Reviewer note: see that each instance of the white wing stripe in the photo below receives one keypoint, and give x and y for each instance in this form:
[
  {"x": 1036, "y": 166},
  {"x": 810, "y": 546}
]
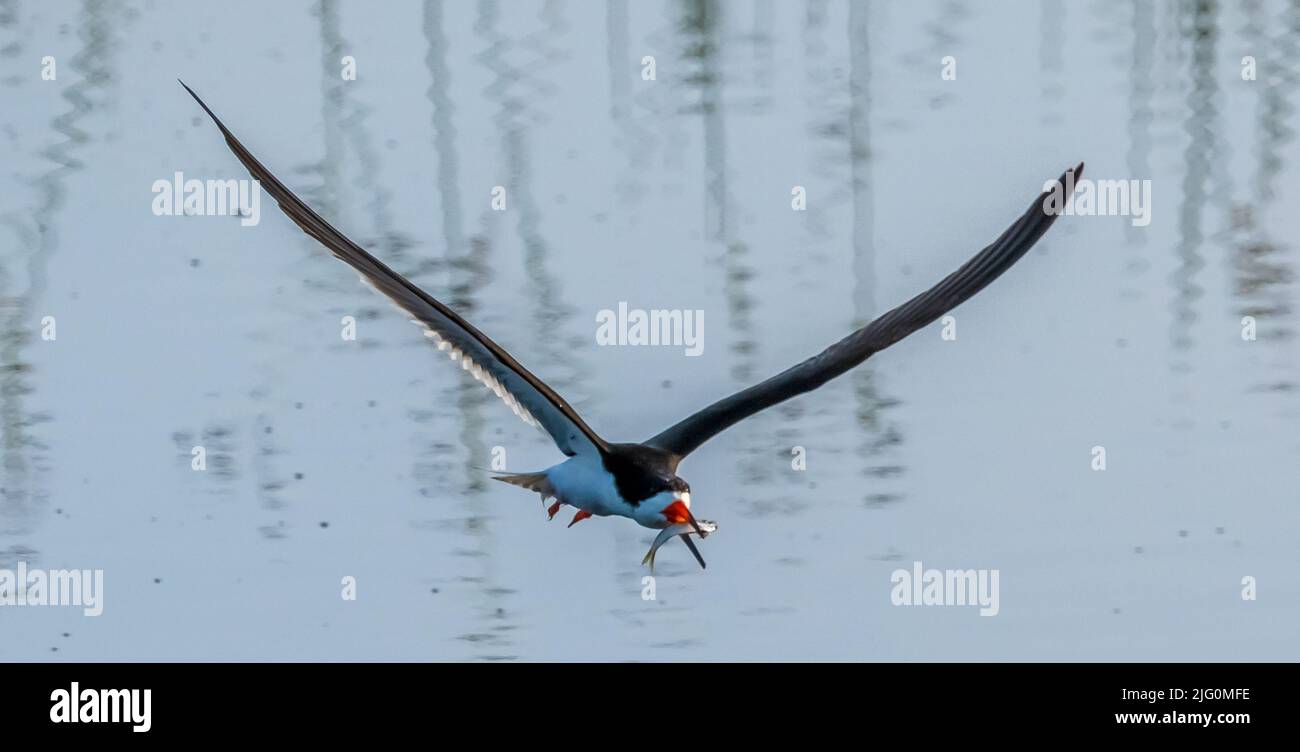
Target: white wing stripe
[
  {"x": 484, "y": 359},
  {"x": 480, "y": 374}
]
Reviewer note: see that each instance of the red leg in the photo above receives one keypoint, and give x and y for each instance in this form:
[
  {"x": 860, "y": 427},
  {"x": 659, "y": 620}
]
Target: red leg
[{"x": 579, "y": 517}]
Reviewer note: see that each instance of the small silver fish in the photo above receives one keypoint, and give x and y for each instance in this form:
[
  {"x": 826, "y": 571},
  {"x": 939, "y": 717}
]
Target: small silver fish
[{"x": 684, "y": 529}]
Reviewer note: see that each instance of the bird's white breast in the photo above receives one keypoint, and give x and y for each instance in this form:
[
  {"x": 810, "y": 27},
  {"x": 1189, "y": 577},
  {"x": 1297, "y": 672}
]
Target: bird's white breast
[{"x": 583, "y": 482}]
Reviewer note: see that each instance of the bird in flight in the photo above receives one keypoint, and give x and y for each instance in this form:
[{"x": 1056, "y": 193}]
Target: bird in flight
[{"x": 639, "y": 480}]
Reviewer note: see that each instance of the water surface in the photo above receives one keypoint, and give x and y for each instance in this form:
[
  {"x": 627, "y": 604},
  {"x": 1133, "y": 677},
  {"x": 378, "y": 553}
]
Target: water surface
[{"x": 369, "y": 459}]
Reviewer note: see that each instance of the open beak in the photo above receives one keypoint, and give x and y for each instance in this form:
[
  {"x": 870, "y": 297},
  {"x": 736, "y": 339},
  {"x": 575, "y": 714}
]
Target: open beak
[
  {"x": 691, "y": 518},
  {"x": 679, "y": 512},
  {"x": 691, "y": 545},
  {"x": 685, "y": 530}
]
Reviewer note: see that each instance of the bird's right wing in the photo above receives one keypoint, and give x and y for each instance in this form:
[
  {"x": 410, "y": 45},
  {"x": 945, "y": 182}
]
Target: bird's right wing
[
  {"x": 684, "y": 437},
  {"x": 530, "y": 398}
]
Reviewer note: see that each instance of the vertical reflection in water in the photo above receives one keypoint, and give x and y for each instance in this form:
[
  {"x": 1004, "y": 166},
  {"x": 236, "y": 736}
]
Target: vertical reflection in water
[
  {"x": 1138, "y": 156},
  {"x": 878, "y": 433},
  {"x": 388, "y": 243},
  {"x": 343, "y": 117},
  {"x": 520, "y": 91},
  {"x": 218, "y": 439},
  {"x": 1279, "y": 83},
  {"x": 466, "y": 263},
  {"x": 325, "y": 194},
  {"x": 1051, "y": 39},
  {"x": 269, "y": 477},
  {"x": 635, "y": 142},
  {"x": 11, "y": 40},
  {"x": 23, "y": 276},
  {"x": 764, "y": 66},
  {"x": 21, "y": 281},
  {"x": 437, "y": 469},
  {"x": 864, "y": 255},
  {"x": 616, "y": 58},
  {"x": 467, "y": 273},
  {"x": 661, "y": 103},
  {"x": 1265, "y": 278},
  {"x": 1199, "y": 26},
  {"x": 700, "y": 25},
  {"x": 828, "y": 103},
  {"x": 818, "y": 79},
  {"x": 444, "y": 129},
  {"x": 944, "y": 40}
]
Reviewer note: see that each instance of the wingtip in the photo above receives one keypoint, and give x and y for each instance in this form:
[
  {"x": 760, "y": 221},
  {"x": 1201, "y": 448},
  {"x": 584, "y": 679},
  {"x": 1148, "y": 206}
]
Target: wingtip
[
  {"x": 1078, "y": 170},
  {"x": 203, "y": 104}
]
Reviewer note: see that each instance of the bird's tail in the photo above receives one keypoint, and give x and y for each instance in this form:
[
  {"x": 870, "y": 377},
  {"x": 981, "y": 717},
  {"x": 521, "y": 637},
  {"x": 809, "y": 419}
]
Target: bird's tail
[{"x": 532, "y": 481}]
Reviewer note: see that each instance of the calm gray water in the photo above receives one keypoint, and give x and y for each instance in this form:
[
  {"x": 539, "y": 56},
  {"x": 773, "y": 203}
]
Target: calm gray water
[{"x": 369, "y": 459}]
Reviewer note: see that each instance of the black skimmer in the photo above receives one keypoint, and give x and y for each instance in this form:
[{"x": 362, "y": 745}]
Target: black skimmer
[{"x": 640, "y": 481}]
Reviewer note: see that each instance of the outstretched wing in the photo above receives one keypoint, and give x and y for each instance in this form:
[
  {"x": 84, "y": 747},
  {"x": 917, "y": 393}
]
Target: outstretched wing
[
  {"x": 527, "y": 395},
  {"x": 684, "y": 437}
]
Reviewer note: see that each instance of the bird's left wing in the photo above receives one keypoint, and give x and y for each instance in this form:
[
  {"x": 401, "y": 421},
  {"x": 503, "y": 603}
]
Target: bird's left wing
[
  {"x": 986, "y": 266},
  {"x": 532, "y": 400}
]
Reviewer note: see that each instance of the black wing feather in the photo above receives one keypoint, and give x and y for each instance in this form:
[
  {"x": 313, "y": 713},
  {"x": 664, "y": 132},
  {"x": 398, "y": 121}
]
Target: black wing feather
[
  {"x": 687, "y": 435},
  {"x": 530, "y": 397}
]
